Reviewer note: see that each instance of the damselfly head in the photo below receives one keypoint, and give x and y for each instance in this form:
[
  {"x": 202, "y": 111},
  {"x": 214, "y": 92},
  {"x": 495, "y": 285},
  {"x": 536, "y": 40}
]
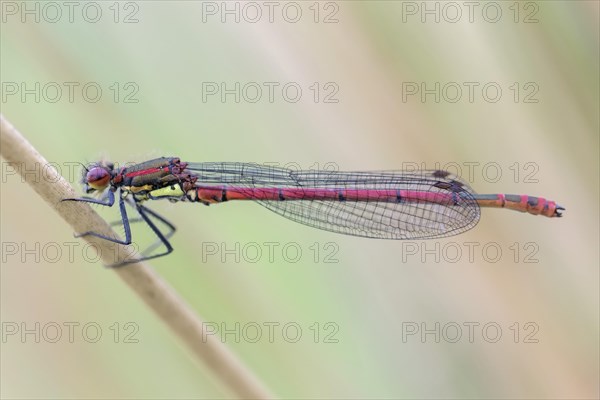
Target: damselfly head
[{"x": 97, "y": 177}]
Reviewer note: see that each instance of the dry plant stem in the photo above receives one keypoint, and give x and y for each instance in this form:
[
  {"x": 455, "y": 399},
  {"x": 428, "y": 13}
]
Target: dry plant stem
[{"x": 144, "y": 281}]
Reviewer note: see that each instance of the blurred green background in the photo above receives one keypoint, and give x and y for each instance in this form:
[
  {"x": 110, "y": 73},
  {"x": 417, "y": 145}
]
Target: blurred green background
[{"x": 354, "y": 62}]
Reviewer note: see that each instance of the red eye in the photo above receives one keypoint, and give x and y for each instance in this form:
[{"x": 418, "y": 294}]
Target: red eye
[{"x": 97, "y": 178}]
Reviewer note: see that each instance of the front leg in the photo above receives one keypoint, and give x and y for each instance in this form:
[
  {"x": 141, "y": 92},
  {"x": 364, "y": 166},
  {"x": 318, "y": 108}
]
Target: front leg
[
  {"x": 124, "y": 219},
  {"x": 108, "y": 201}
]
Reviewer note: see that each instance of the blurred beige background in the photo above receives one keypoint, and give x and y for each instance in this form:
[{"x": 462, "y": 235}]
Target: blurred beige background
[{"x": 383, "y": 85}]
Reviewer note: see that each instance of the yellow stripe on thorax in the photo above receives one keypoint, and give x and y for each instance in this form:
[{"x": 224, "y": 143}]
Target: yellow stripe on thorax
[{"x": 168, "y": 191}]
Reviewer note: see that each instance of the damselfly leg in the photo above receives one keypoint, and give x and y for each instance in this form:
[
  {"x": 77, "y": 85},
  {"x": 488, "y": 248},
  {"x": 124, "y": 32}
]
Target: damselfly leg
[
  {"x": 145, "y": 214},
  {"x": 110, "y": 203},
  {"x": 163, "y": 239},
  {"x": 159, "y": 217}
]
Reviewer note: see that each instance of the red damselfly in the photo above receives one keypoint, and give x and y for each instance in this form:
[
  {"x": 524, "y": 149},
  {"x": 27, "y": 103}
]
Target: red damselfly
[{"x": 384, "y": 204}]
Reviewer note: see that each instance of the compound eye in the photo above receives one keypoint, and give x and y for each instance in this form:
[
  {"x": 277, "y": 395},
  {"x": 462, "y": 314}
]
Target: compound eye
[{"x": 97, "y": 178}]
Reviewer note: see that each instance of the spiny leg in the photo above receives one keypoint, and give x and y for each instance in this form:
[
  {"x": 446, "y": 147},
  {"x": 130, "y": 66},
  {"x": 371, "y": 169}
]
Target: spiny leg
[
  {"x": 154, "y": 214},
  {"x": 110, "y": 197},
  {"x": 163, "y": 239},
  {"x": 166, "y": 236},
  {"x": 125, "y": 222},
  {"x": 124, "y": 219},
  {"x": 162, "y": 219},
  {"x": 131, "y": 221}
]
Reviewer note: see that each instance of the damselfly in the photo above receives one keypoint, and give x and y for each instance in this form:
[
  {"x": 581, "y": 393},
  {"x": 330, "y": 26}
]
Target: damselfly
[{"x": 385, "y": 204}]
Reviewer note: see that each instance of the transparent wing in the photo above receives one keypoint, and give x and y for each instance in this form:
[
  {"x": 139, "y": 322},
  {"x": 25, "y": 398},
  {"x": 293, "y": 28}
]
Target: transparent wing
[{"x": 454, "y": 211}]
